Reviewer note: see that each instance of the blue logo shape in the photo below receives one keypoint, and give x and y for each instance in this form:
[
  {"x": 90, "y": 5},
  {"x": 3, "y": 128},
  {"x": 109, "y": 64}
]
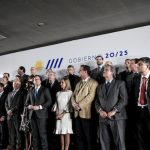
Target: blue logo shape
[{"x": 54, "y": 63}]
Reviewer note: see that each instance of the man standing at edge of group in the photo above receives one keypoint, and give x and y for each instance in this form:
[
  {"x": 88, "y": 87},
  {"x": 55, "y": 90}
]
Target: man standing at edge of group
[{"x": 141, "y": 92}]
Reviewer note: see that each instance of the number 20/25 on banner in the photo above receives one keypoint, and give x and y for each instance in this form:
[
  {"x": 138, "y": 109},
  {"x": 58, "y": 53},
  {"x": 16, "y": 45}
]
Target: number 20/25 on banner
[{"x": 116, "y": 54}]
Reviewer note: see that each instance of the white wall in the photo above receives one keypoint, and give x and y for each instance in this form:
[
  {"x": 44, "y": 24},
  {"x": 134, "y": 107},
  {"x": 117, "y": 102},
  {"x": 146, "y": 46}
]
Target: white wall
[{"x": 114, "y": 46}]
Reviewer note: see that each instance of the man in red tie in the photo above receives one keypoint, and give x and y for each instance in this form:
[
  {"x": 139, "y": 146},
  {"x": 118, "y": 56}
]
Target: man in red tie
[{"x": 141, "y": 88}]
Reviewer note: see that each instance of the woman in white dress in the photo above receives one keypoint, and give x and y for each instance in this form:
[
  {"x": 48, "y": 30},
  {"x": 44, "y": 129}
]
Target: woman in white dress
[{"x": 63, "y": 117}]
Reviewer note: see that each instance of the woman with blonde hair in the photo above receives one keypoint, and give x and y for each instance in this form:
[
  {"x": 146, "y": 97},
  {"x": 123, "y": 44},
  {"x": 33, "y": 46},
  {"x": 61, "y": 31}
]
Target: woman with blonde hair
[{"x": 63, "y": 117}]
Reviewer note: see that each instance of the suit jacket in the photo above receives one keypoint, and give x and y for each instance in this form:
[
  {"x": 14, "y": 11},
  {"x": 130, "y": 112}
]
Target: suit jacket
[
  {"x": 8, "y": 88},
  {"x": 98, "y": 75},
  {"x": 24, "y": 80},
  {"x": 124, "y": 74},
  {"x": 74, "y": 79},
  {"x": 44, "y": 99},
  {"x": 2, "y": 104},
  {"x": 84, "y": 96},
  {"x": 15, "y": 104},
  {"x": 116, "y": 97},
  {"x": 53, "y": 89},
  {"x": 136, "y": 90}
]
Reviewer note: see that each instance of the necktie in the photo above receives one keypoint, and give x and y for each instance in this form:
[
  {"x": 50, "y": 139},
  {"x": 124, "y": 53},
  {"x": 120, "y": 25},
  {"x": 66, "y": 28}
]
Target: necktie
[
  {"x": 99, "y": 69},
  {"x": 36, "y": 93},
  {"x": 13, "y": 93},
  {"x": 1, "y": 95},
  {"x": 50, "y": 82},
  {"x": 107, "y": 87},
  {"x": 143, "y": 89}
]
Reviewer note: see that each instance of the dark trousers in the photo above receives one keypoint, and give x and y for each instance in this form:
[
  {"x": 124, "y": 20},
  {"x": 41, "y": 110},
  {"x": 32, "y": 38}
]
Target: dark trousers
[
  {"x": 83, "y": 133},
  {"x": 112, "y": 135},
  {"x": 39, "y": 133},
  {"x": 3, "y": 134},
  {"x": 131, "y": 142},
  {"x": 143, "y": 128},
  {"x": 14, "y": 133}
]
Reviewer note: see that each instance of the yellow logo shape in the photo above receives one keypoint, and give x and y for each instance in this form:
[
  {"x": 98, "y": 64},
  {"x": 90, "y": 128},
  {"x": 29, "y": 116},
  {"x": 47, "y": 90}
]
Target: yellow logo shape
[{"x": 39, "y": 64}]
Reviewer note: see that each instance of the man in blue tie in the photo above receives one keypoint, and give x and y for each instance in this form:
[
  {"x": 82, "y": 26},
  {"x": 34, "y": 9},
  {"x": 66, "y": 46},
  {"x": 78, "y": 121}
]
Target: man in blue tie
[{"x": 38, "y": 101}]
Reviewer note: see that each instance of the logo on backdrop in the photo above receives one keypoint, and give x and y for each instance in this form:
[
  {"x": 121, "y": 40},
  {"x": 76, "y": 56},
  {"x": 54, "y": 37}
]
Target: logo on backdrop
[
  {"x": 54, "y": 63},
  {"x": 39, "y": 65}
]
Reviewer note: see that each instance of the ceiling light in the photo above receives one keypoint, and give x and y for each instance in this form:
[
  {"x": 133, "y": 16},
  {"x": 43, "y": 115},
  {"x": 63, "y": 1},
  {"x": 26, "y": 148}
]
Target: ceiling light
[
  {"x": 41, "y": 24},
  {"x": 2, "y": 37}
]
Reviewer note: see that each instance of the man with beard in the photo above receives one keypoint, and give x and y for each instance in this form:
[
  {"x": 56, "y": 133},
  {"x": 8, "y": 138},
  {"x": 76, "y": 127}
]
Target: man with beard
[{"x": 97, "y": 73}]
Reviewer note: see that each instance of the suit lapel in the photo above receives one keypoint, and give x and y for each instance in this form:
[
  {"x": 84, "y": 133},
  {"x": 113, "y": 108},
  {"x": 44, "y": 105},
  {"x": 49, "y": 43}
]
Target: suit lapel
[
  {"x": 138, "y": 84},
  {"x": 32, "y": 96},
  {"x": 13, "y": 97},
  {"x": 103, "y": 89},
  {"x": 148, "y": 84},
  {"x": 40, "y": 91},
  {"x": 81, "y": 87}
]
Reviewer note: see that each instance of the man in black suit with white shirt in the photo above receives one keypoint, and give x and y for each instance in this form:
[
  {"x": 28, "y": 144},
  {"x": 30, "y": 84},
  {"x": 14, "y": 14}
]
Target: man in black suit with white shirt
[
  {"x": 39, "y": 101},
  {"x": 97, "y": 73}
]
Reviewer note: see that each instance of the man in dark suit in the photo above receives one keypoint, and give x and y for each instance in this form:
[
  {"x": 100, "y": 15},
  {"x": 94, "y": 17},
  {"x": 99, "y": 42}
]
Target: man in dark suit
[
  {"x": 111, "y": 99},
  {"x": 6, "y": 74},
  {"x": 8, "y": 87},
  {"x": 54, "y": 86},
  {"x": 14, "y": 107},
  {"x": 74, "y": 79},
  {"x": 3, "y": 125},
  {"x": 97, "y": 73},
  {"x": 130, "y": 127},
  {"x": 124, "y": 74},
  {"x": 24, "y": 77},
  {"x": 33, "y": 72},
  {"x": 142, "y": 103},
  {"x": 38, "y": 101}
]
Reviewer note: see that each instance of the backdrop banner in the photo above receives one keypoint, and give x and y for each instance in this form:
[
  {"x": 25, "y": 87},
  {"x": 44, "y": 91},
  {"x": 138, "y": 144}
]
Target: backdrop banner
[{"x": 116, "y": 47}]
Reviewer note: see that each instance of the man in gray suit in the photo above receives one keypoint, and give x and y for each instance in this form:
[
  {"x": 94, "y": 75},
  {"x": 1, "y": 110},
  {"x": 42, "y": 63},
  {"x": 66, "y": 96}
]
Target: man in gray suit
[
  {"x": 14, "y": 106},
  {"x": 111, "y": 99}
]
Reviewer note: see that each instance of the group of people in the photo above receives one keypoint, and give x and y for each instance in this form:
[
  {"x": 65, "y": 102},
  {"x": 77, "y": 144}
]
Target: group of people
[{"x": 99, "y": 109}]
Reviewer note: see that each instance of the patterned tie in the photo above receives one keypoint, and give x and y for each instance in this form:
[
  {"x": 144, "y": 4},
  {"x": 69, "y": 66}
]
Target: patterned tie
[
  {"x": 143, "y": 89},
  {"x": 107, "y": 87},
  {"x": 99, "y": 69},
  {"x": 13, "y": 93}
]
